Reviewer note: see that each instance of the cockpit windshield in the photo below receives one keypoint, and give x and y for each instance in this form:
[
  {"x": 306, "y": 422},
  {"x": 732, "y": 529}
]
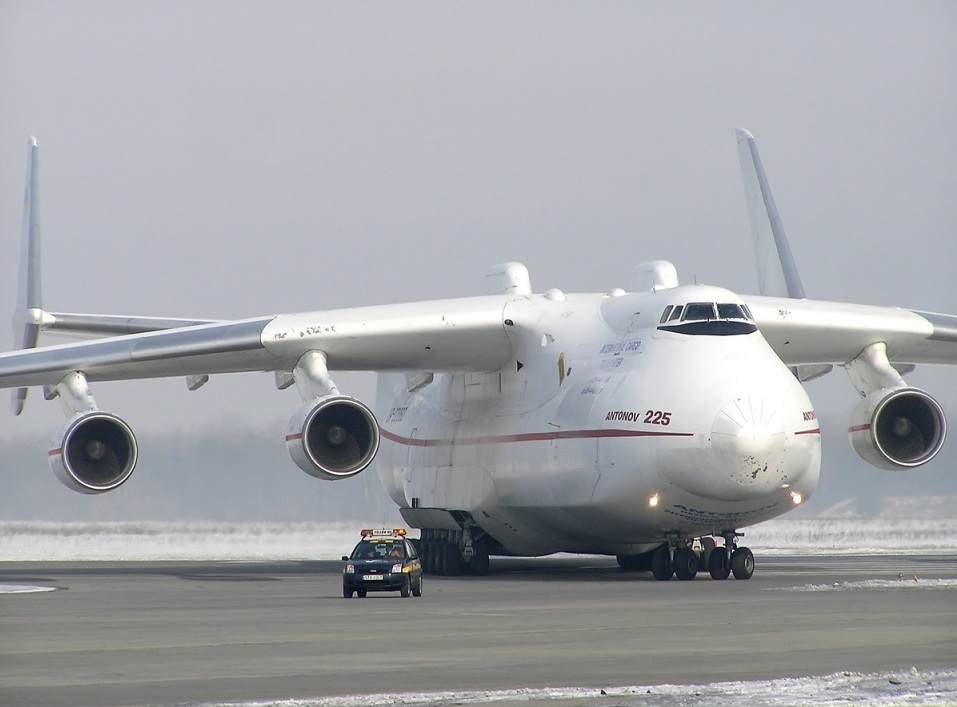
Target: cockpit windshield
[{"x": 708, "y": 318}]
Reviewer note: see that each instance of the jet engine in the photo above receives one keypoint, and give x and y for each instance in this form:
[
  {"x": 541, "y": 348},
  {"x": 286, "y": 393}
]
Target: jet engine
[
  {"x": 897, "y": 428},
  {"x": 94, "y": 452},
  {"x": 333, "y": 437}
]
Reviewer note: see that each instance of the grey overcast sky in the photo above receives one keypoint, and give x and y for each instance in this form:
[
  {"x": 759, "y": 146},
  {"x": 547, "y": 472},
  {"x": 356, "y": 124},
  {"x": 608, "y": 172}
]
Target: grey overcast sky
[{"x": 232, "y": 159}]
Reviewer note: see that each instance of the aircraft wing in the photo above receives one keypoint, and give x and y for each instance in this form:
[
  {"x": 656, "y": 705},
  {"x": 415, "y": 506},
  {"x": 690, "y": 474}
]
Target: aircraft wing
[
  {"x": 465, "y": 334},
  {"x": 812, "y": 335},
  {"x": 97, "y": 325},
  {"x": 808, "y": 332}
]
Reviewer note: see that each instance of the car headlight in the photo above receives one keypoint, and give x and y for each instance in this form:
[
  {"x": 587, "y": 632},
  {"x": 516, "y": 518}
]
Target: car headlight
[
  {"x": 350, "y": 569},
  {"x": 397, "y": 568}
]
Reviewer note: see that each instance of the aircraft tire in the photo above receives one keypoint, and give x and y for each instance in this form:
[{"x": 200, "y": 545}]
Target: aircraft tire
[
  {"x": 454, "y": 562},
  {"x": 425, "y": 556},
  {"x": 719, "y": 564},
  {"x": 480, "y": 563},
  {"x": 685, "y": 563},
  {"x": 438, "y": 557},
  {"x": 742, "y": 563},
  {"x": 635, "y": 563},
  {"x": 661, "y": 565}
]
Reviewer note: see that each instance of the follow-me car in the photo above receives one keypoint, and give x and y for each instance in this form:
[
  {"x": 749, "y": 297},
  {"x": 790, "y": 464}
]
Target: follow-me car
[
  {"x": 383, "y": 561},
  {"x": 652, "y": 423}
]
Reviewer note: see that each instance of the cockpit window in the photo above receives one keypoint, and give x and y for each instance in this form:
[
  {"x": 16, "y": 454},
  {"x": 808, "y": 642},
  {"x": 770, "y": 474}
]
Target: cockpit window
[
  {"x": 664, "y": 315},
  {"x": 698, "y": 311},
  {"x": 732, "y": 311},
  {"x": 676, "y": 313}
]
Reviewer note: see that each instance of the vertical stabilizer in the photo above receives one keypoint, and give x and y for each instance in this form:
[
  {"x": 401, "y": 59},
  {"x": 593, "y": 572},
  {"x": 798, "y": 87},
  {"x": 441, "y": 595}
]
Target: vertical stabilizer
[
  {"x": 777, "y": 273},
  {"x": 29, "y": 313}
]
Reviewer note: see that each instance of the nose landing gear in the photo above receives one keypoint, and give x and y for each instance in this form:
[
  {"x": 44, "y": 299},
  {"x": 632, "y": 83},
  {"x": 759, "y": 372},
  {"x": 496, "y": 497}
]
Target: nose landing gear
[{"x": 682, "y": 560}]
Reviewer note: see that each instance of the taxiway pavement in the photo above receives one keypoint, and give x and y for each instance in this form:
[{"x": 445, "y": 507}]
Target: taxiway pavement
[{"x": 125, "y": 633}]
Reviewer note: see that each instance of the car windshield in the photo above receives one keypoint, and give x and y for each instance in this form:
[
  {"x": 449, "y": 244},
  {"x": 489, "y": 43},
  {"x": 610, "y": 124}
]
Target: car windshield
[{"x": 378, "y": 551}]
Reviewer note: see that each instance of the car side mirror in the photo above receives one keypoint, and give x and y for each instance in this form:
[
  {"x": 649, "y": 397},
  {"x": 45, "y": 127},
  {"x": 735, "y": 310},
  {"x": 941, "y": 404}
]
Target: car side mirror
[{"x": 344, "y": 558}]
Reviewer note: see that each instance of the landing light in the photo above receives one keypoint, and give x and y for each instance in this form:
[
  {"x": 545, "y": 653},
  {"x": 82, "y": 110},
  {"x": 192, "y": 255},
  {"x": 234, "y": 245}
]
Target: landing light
[
  {"x": 796, "y": 498},
  {"x": 653, "y": 501}
]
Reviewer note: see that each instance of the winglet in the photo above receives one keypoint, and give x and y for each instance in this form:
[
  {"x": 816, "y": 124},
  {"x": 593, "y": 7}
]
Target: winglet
[
  {"x": 28, "y": 317},
  {"x": 777, "y": 272}
]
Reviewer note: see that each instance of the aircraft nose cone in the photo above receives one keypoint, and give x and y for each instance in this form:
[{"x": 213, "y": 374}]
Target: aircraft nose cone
[
  {"x": 748, "y": 438},
  {"x": 747, "y": 452}
]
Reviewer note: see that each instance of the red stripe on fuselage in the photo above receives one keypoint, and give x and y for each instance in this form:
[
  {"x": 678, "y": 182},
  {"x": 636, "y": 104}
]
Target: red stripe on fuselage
[{"x": 527, "y": 437}]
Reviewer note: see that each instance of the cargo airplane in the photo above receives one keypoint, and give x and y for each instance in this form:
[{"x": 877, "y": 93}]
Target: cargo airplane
[{"x": 652, "y": 423}]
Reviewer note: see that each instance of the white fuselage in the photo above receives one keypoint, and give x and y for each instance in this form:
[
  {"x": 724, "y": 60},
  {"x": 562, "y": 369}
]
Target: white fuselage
[{"x": 605, "y": 433}]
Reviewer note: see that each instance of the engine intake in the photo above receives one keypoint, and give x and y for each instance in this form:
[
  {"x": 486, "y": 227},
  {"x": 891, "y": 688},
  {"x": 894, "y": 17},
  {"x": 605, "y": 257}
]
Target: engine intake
[
  {"x": 897, "y": 428},
  {"x": 333, "y": 438},
  {"x": 95, "y": 452}
]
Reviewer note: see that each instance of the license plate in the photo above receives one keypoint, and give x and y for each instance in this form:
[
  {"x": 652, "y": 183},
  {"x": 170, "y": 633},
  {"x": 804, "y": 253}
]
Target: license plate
[{"x": 372, "y": 577}]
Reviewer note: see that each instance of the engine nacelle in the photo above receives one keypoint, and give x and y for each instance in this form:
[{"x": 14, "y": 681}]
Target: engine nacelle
[
  {"x": 333, "y": 438},
  {"x": 897, "y": 428},
  {"x": 94, "y": 452}
]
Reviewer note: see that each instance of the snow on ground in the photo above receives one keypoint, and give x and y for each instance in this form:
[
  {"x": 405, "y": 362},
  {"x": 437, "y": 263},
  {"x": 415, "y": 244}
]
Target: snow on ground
[
  {"x": 46, "y": 541},
  {"x": 913, "y": 687}
]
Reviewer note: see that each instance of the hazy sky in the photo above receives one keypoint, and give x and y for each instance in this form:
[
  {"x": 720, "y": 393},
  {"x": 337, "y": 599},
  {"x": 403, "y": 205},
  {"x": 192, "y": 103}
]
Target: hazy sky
[{"x": 232, "y": 159}]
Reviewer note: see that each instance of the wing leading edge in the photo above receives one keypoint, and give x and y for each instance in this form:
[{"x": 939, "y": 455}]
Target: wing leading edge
[
  {"x": 808, "y": 332},
  {"x": 445, "y": 335}
]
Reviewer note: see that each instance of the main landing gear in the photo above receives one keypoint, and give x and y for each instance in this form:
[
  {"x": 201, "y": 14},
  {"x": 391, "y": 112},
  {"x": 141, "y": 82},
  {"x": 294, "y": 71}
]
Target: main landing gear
[
  {"x": 682, "y": 559},
  {"x": 452, "y": 553}
]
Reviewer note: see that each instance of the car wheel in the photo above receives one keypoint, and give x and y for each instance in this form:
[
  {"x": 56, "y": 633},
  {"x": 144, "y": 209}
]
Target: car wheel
[
  {"x": 417, "y": 589},
  {"x": 347, "y": 593},
  {"x": 361, "y": 593},
  {"x": 404, "y": 589}
]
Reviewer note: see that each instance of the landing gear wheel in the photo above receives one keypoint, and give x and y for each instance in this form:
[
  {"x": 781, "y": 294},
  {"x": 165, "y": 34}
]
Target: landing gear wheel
[
  {"x": 685, "y": 563},
  {"x": 480, "y": 563},
  {"x": 404, "y": 589},
  {"x": 635, "y": 563},
  {"x": 425, "y": 555},
  {"x": 661, "y": 566},
  {"x": 417, "y": 588},
  {"x": 438, "y": 557},
  {"x": 453, "y": 560},
  {"x": 742, "y": 563},
  {"x": 719, "y": 564}
]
